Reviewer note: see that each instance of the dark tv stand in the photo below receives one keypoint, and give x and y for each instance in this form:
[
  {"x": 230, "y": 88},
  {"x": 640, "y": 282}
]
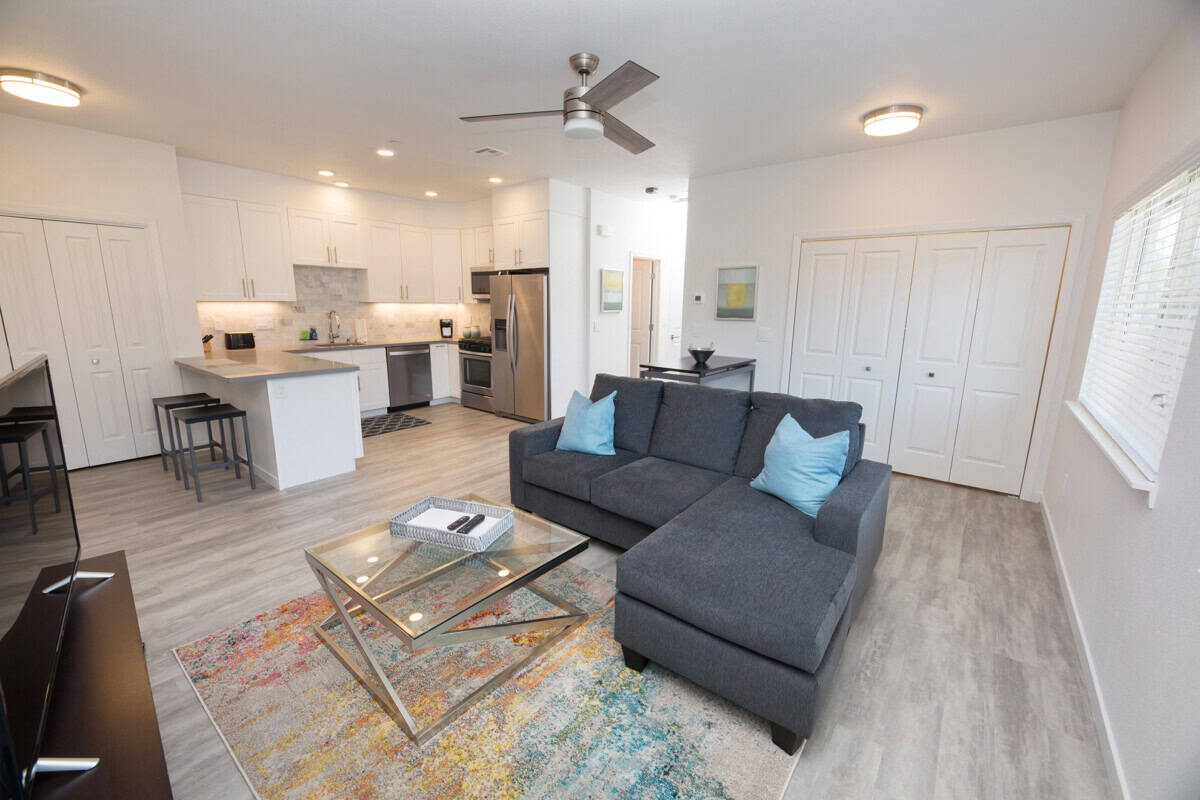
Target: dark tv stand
[{"x": 101, "y": 706}]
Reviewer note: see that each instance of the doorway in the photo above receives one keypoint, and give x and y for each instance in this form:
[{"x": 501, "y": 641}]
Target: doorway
[{"x": 643, "y": 312}]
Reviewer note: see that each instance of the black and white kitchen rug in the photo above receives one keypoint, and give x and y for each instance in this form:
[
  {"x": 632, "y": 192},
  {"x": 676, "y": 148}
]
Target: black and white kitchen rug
[{"x": 387, "y": 423}]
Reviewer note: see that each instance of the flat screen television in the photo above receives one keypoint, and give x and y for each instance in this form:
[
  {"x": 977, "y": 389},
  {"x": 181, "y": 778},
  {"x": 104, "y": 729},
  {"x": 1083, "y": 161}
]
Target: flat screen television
[{"x": 32, "y": 620}]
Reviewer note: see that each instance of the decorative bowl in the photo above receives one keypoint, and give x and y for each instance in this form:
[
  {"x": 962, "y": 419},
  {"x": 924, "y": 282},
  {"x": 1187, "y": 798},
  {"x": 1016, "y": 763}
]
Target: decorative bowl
[{"x": 701, "y": 354}]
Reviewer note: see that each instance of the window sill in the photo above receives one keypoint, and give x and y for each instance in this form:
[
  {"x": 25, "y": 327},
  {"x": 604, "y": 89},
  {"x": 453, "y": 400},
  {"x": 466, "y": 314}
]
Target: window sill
[{"x": 1129, "y": 471}]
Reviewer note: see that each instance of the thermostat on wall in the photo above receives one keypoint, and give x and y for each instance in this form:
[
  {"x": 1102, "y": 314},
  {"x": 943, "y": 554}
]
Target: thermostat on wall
[{"x": 698, "y": 298}]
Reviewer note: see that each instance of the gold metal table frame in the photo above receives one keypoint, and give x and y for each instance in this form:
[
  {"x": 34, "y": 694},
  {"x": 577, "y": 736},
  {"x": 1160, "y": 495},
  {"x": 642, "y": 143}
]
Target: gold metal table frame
[{"x": 363, "y": 601}]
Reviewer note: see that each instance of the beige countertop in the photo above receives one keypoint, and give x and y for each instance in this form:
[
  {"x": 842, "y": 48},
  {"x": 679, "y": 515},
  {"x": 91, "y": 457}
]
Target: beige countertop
[
  {"x": 260, "y": 364},
  {"x": 306, "y": 347}
]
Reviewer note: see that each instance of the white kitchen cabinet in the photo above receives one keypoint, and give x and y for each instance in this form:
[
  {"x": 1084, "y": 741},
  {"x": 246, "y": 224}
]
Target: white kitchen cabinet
[
  {"x": 439, "y": 365},
  {"x": 326, "y": 240},
  {"x": 373, "y": 379},
  {"x": 346, "y": 239},
  {"x": 266, "y": 252},
  {"x": 533, "y": 241},
  {"x": 216, "y": 239},
  {"x": 485, "y": 256},
  {"x": 384, "y": 262},
  {"x": 455, "y": 371},
  {"x": 6, "y": 365},
  {"x": 417, "y": 257},
  {"x": 505, "y": 242},
  {"x": 446, "y": 250}
]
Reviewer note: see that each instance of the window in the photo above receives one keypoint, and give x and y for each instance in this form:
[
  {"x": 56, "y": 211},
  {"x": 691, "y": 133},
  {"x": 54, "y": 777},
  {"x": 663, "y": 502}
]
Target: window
[{"x": 1147, "y": 310}]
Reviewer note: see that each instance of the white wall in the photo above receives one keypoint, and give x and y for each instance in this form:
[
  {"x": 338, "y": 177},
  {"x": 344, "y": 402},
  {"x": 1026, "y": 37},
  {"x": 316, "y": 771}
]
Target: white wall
[
  {"x": 70, "y": 173},
  {"x": 653, "y": 229},
  {"x": 1131, "y": 572},
  {"x": 1051, "y": 172}
]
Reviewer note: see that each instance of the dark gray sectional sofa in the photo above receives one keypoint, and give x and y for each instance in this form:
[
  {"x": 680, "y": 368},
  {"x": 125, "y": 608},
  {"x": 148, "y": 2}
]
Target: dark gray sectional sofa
[{"x": 725, "y": 585}]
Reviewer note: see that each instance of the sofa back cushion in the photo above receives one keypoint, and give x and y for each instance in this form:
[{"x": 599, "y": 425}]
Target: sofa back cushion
[
  {"x": 637, "y": 407},
  {"x": 818, "y": 417},
  {"x": 700, "y": 425}
]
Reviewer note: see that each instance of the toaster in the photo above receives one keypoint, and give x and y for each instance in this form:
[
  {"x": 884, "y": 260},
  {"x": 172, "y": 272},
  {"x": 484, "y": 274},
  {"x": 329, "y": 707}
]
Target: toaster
[{"x": 239, "y": 340}]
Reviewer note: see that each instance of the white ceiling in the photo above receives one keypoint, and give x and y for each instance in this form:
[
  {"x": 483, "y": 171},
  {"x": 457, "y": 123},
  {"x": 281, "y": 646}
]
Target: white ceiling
[{"x": 290, "y": 86}]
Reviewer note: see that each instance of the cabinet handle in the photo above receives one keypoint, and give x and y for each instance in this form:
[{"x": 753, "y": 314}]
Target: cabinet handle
[
  {"x": 931, "y": 375},
  {"x": 244, "y": 288},
  {"x": 253, "y": 291},
  {"x": 95, "y": 362},
  {"x": 335, "y": 255},
  {"x": 520, "y": 254},
  {"x": 515, "y": 259},
  {"x": 491, "y": 256},
  {"x": 328, "y": 254}
]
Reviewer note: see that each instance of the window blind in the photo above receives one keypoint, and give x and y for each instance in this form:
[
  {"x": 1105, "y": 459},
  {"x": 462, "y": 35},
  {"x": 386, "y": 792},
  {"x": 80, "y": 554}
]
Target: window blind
[{"x": 1149, "y": 301}]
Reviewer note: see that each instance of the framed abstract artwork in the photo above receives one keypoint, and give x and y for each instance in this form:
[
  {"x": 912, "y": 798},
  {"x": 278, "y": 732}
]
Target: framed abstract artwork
[
  {"x": 612, "y": 290},
  {"x": 737, "y": 289}
]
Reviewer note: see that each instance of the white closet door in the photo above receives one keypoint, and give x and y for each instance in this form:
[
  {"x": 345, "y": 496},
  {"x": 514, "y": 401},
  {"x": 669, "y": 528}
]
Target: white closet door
[
  {"x": 267, "y": 252},
  {"x": 87, "y": 322},
  {"x": 138, "y": 324},
  {"x": 1017, "y": 297},
  {"x": 941, "y": 314},
  {"x": 875, "y": 316},
  {"x": 817, "y": 334},
  {"x": 31, "y": 319}
]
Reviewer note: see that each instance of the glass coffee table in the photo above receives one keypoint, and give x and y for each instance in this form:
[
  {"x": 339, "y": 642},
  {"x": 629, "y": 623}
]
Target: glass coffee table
[{"x": 421, "y": 593}]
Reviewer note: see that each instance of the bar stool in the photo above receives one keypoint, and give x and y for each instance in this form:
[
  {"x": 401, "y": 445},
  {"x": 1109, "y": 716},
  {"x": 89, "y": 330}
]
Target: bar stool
[
  {"x": 19, "y": 433},
  {"x": 169, "y": 404},
  {"x": 210, "y": 414}
]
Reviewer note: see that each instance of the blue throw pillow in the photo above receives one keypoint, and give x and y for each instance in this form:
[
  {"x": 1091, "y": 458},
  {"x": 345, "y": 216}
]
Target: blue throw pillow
[
  {"x": 800, "y": 470},
  {"x": 588, "y": 427}
]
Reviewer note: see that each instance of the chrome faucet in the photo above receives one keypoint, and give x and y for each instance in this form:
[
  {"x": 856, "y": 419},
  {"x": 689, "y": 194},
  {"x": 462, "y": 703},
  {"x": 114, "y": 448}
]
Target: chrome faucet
[{"x": 335, "y": 326}]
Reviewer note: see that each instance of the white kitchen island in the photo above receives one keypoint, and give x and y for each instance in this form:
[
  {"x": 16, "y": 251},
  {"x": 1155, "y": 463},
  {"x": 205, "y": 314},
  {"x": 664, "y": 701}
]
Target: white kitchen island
[{"x": 303, "y": 412}]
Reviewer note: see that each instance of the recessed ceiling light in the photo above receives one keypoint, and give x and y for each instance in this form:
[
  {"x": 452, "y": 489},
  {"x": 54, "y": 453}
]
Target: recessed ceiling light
[
  {"x": 892, "y": 120},
  {"x": 385, "y": 153},
  {"x": 39, "y": 87},
  {"x": 340, "y": 184},
  {"x": 495, "y": 180},
  {"x": 325, "y": 173},
  {"x": 431, "y": 194}
]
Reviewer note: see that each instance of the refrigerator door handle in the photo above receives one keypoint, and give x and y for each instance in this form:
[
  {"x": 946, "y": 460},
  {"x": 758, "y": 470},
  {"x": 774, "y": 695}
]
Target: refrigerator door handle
[{"x": 515, "y": 337}]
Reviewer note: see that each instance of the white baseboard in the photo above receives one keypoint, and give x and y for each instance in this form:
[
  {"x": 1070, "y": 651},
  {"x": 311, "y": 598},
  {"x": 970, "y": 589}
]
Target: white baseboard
[{"x": 1108, "y": 744}]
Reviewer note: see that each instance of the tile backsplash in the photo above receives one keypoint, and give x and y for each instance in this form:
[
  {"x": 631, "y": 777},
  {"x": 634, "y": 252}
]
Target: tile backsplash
[{"x": 320, "y": 290}]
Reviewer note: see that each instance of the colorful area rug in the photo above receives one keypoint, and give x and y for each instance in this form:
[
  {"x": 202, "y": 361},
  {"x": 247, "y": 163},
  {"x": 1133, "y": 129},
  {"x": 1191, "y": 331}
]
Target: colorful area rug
[
  {"x": 575, "y": 723},
  {"x": 387, "y": 423}
]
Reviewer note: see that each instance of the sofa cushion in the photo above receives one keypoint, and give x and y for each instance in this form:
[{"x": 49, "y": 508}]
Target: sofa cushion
[
  {"x": 701, "y": 426},
  {"x": 637, "y": 408},
  {"x": 743, "y": 565},
  {"x": 652, "y": 490},
  {"x": 571, "y": 473},
  {"x": 818, "y": 417},
  {"x": 588, "y": 426}
]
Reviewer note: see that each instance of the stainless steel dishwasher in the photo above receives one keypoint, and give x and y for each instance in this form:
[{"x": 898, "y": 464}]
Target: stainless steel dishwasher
[{"x": 410, "y": 378}]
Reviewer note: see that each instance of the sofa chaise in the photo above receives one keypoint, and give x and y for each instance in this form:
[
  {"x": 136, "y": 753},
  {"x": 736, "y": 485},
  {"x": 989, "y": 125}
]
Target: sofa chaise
[{"x": 725, "y": 585}]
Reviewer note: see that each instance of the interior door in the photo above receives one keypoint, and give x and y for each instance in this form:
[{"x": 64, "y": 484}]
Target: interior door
[
  {"x": 1017, "y": 298},
  {"x": 527, "y": 345},
  {"x": 533, "y": 241},
  {"x": 216, "y": 239},
  {"x": 383, "y": 262},
  {"x": 417, "y": 252},
  {"x": 32, "y": 321},
  {"x": 87, "y": 320},
  {"x": 941, "y": 315},
  {"x": 309, "y": 235},
  {"x": 504, "y": 248},
  {"x": 817, "y": 334},
  {"x": 346, "y": 237},
  {"x": 266, "y": 252},
  {"x": 641, "y": 315},
  {"x": 140, "y": 336},
  {"x": 880, "y": 275}
]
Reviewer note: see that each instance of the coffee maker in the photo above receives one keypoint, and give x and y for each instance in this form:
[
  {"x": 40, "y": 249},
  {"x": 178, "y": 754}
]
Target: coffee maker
[{"x": 447, "y": 327}]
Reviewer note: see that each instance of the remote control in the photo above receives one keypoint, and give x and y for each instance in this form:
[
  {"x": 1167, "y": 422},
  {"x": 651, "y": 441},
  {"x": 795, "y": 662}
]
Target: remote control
[
  {"x": 475, "y": 520},
  {"x": 458, "y": 522}
]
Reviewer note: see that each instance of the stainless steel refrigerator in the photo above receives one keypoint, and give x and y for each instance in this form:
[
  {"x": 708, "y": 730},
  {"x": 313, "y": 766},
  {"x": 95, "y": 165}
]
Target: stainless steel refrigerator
[{"x": 520, "y": 345}]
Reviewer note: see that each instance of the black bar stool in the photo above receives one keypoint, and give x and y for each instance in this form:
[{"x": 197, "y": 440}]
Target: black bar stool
[
  {"x": 210, "y": 414},
  {"x": 169, "y": 404},
  {"x": 19, "y": 433}
]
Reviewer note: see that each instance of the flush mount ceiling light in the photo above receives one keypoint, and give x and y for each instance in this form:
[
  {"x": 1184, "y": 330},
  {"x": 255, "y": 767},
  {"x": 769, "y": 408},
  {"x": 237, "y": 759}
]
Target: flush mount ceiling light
[
  {"x": 584, "y": 127},
  {"x": 892, "y": 120},
  {"x": 325, "y": 173},
  {"x": 431, "y": 194},
  {"x": 383, "y": 152},
  {"x": 40, "y": 87},
  {"x": 495, "y": 180},
  {"x": 341, "y": 184}
]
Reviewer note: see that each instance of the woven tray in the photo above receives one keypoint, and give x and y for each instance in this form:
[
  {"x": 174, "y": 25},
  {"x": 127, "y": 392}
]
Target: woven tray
[{"x": 500, "y": 519}]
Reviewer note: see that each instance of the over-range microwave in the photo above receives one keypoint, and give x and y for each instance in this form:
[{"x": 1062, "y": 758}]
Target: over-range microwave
[{"x": 481, "y": 283}]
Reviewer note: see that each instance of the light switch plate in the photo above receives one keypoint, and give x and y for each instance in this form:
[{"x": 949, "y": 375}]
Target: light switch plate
[{"x": 698, "y": 298}]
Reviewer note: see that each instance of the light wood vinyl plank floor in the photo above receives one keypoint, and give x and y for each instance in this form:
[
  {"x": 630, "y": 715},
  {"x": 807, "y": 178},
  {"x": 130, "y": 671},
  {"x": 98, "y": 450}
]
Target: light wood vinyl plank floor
[{"x": 959, "y": 679}]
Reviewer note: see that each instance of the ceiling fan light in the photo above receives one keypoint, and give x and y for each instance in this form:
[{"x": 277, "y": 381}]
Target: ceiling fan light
[
  {"x": 583, "y": 128},
  {"x": 39, "y": 87},
  {"x": 892, "y": 120}
]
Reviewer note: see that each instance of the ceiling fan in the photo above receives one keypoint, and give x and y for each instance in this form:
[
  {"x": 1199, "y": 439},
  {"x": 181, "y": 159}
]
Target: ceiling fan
[{"x": 585, "y": 108}]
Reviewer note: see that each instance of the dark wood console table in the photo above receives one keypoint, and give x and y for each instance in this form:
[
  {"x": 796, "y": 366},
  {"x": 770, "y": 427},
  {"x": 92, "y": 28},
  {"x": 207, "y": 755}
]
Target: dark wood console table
[
  {"x": 101, "y": 705},
  {"x": 686, "y": 369}
]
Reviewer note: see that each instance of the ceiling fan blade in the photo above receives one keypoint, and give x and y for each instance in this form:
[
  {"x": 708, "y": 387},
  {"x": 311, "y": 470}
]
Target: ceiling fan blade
[
  {"x": 519, "y": 115},
  {"x": 624, "y": 81},
  {"x": 627, "y": 137}
]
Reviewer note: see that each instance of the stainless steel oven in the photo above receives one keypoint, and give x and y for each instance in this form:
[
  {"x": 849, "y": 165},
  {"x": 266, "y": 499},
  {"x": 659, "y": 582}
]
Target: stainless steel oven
[{"x": 476, "y": 379}]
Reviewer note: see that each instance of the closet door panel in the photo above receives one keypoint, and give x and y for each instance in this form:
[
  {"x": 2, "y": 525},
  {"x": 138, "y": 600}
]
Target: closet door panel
[
  {"x": 139, "y": 328},
  {"x": 941, "y": 316},
  {"x": 817, "y": 333},
  {"x": 31, "y": 320},
  {"x": 87, "y": 320},
  {"x": 1017, "y": 297},
  {"x": 875, "y": 317}
]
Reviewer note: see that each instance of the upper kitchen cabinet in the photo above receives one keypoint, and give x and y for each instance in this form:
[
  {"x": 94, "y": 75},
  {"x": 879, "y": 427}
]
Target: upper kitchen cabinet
[
  {"x": 504, "y": 232},
  {"x": 326, "y": 240},
  {"x": 533, "y": 241},
  {"x": 485, "y": 255},
  {"x": 416, "y": 249},
  {"x": 446, "y": 248},
  {"x": 384, "y": 262},
  {"x": 240, "y": 250}
]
